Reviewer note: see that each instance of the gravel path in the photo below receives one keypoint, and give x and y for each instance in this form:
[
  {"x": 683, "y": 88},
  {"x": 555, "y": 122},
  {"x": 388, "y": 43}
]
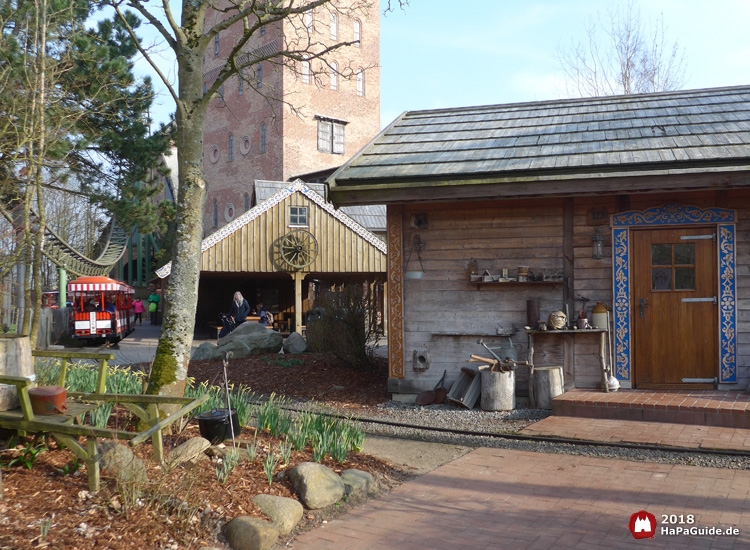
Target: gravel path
[{"x": 451, "y": 417}]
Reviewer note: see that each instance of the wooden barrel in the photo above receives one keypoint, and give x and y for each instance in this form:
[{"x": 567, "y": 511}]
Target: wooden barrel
[
  {"x": 15, "y": 360},
  {"x": 548, "y": 383},
  {"x": 498, "y": 391}
]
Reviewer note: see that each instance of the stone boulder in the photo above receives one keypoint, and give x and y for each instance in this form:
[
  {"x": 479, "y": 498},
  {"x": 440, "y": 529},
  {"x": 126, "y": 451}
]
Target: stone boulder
[
  {"x": 285, "y": 513},
  {"x": 294, "y": 343},
  {"x": 255, "y": 336},
  {"x": 128, "y": 469},
  {"x": 246, "y": 533},
  {"x": 358, "y": 484},
  {"x": 316, "y": 485},
  {"x": 206, "y": 351},
  {"x": 191, "y": 451}
]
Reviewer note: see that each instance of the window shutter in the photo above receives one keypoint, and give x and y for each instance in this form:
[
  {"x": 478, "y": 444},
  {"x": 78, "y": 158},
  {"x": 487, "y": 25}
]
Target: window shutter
[
  {"x": 324, "y": 136},
  {"x": 338, "y": 139}
]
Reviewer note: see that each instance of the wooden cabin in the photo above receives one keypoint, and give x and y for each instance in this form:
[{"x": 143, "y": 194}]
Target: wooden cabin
[
  {"x": 639, "y": 202},
  {"x": 283, "y": 252}
]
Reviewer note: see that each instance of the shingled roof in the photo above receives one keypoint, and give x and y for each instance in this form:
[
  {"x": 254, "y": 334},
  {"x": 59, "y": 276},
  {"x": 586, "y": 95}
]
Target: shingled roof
[{"x": 617, "y": 136}]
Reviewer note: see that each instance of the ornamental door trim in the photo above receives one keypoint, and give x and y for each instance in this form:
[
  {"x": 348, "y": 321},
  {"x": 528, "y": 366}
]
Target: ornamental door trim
[{"x": 675, "y": 214}]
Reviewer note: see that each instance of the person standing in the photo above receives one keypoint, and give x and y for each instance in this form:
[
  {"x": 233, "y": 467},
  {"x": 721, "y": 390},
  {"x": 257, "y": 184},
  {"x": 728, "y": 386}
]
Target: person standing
[
  {"x": 153, "y": 305},
  {"x": 240, "y": 309},
  {"x": 263, "y": 314},
  {"x": 139, "y": 308}
]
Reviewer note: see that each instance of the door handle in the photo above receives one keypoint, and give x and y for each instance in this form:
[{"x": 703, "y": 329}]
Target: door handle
[{"x": 641, "y": 306}]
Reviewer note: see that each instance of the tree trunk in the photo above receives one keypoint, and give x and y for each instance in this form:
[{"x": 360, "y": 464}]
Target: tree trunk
[{"x": 169, "y": 370}]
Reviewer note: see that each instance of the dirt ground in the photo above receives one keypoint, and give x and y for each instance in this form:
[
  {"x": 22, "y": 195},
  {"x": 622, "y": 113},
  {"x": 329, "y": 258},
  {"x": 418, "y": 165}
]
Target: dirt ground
[{"x": 49, "y": 504}]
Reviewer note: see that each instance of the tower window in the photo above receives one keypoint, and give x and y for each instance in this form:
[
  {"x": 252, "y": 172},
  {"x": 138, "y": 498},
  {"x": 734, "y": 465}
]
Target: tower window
[
  {"x": 309, "y": 21},
  {"x": 305, "y": 71},
  {"x": 247, "y": 202},
  {"x": 216, "y": 213},
  {"x": 334, "y": 26},
  {"x": 216, "y": 45},
  {"x": 230, "y": 148},
  {"x": 263, "y": 138},
  {"x": 240, "y": 85},
  {"x": 334, "y": 76},
  {"x": 357, "y": 33},
  {"x": 259, "y": 74},
  {"x": 361, "y": 82},
  {"x": 330, "y": 136}
]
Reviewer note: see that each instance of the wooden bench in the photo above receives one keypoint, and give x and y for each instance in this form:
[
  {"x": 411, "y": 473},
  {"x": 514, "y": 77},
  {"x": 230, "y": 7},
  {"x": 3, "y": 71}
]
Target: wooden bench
[{"x": 67, "y": 428}]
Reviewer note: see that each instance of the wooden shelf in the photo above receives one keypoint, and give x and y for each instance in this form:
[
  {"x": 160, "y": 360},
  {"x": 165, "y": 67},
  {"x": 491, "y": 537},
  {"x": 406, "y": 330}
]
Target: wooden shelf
[{"x": 514, "y": 283}]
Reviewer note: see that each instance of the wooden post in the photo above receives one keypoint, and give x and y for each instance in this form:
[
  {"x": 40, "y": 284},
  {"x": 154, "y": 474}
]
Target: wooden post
[
  {"x": 92, "y": 464},
  {"x": 530, "y": 361},
  {"x": 298, "y": 278},
  {"x": 156, "y": 441}
]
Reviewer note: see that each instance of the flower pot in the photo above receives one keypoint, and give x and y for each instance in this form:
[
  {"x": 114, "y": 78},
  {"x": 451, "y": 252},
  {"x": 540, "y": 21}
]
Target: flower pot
[{"x": 215, "y": 426}]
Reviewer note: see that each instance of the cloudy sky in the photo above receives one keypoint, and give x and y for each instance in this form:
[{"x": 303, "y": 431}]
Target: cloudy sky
[{"x": 449, "y": 53}]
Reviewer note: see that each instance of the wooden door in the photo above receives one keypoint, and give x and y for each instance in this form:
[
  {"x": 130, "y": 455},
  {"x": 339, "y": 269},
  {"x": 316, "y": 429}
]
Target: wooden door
[{"x": 675, "y": 315}]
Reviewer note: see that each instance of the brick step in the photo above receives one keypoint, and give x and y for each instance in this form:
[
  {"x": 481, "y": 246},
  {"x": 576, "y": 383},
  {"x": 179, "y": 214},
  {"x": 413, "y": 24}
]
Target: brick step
[{"x": 729, "y": 409}]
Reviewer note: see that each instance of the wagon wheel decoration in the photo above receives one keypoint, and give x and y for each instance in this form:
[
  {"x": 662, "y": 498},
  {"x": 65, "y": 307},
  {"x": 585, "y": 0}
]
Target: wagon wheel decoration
[{"x": 295, "y": 250}]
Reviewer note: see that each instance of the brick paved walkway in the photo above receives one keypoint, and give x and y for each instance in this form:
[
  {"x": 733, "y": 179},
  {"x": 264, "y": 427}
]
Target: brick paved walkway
[
  {"x": 654, "y": 433},
  {"x": 497, "y": 499}
]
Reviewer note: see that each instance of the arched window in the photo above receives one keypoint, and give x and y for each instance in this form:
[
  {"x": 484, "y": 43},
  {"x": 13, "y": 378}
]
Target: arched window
[
  {"x": 334, "y": 26},
  {"x": 259, "y": 74},
  {"x": 216, "y": 213},
  {"x": 360, "y": 82},
  {"x": 247, "y": 202},
  {"x": 240, "y": 85},
  {"x": 357, "y": 33},
  {"x": 216, "y": 45},
  {"x": 230, "y": 148},
  {"x": 263, "y": 138},
  {"x": 305, "y": 70},
  {"x": 221, "y": 93},
  {"x": 334, "y": 76},
  {"x": 309, "y": 21}
]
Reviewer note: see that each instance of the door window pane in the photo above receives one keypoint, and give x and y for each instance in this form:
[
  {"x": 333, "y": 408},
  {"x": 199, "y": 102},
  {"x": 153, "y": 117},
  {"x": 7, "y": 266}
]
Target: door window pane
[
  {"x": 684, "y": 254},
  {"x": 684, "y": 278},
  {"x": 661, "y": 279},
  {"x": 661, "y": 254}
]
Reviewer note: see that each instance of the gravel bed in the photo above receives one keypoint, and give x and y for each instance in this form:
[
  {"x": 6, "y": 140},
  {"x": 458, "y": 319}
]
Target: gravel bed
[{"x": 510, "y": 422}]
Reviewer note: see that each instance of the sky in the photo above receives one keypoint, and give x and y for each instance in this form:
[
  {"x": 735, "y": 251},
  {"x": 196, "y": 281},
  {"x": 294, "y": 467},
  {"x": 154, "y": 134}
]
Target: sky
[{"x": 455, "y": 53}]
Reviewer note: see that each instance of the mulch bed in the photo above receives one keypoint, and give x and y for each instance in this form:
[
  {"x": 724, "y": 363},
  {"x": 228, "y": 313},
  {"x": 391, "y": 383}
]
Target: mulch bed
[{"x": 49, "y": 505}]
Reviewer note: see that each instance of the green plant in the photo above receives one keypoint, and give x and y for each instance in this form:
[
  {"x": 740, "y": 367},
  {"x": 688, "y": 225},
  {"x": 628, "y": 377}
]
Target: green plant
[
  {"x": 297, "y": 437},
  {"x": 286, "y": 451},
  {"x": 44, "y": 526},
  {"x": 100, "y": 415},
  {"x": 269, "y": 465},
  {"x": 287, "y": 363},
  {"x": 319, "y": 446},
  {"x": 70, "y": 468},
  {"x": 226, "y": 465},
  {"x": 29, "y": 454},
  {"x": 252, "y": 449}
]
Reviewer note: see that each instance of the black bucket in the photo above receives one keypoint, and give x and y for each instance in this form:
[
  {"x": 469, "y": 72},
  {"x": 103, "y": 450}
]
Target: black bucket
[{"x": 214, "y": 425}]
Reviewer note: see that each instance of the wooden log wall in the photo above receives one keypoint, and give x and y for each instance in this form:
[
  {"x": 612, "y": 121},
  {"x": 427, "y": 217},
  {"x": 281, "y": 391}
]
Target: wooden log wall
[{"x": 445, "y": 313}]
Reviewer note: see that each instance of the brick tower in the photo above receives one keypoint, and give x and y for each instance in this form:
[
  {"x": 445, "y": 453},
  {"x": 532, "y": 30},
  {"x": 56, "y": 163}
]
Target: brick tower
[{"x": 248, "y": 137}]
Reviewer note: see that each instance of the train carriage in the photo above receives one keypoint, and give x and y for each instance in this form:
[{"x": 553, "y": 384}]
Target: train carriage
[{"x": 102, "y": 309}]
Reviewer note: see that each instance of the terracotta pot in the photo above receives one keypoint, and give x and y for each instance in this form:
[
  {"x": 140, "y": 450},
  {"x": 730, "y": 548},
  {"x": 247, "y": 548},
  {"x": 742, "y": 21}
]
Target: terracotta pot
[{"x": 46, "y": 400}]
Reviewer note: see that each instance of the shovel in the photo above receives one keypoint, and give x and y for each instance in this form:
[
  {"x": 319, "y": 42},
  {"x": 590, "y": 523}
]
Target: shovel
[{"x": 433, "y": 396}]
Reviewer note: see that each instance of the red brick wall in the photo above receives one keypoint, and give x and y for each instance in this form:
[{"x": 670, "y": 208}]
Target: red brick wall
[{"x": 291, "y": 139}]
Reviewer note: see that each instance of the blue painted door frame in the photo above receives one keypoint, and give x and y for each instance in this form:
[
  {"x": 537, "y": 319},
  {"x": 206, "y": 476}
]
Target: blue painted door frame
[{"x": 675, "y": 214}]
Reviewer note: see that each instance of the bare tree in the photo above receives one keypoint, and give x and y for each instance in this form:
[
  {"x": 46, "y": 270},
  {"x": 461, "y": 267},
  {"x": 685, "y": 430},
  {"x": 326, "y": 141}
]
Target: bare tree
[
  {"x": 189, "y": 35},
  {"x": 622, "y": 55}
]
